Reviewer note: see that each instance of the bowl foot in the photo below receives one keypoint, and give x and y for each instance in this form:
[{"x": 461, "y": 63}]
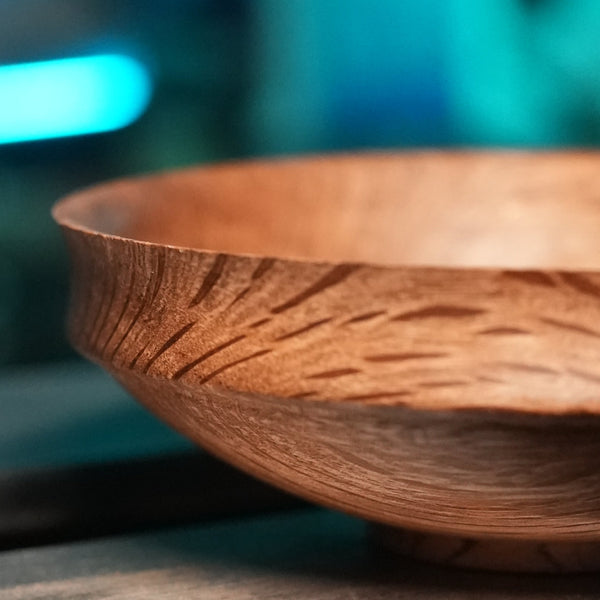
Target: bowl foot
[{"x": 491, "y": 554}]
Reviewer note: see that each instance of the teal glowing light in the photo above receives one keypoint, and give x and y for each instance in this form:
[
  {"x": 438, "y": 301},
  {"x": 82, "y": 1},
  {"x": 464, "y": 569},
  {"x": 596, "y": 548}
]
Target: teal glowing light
[{"x": 72, "y": 96}]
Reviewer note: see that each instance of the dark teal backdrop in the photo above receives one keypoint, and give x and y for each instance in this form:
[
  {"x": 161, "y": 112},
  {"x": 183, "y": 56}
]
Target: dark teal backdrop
[{"x": 236, "y": 78}]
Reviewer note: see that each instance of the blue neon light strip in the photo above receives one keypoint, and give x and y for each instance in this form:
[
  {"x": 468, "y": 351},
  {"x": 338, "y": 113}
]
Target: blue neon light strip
[{"x": 73, "y": 96}]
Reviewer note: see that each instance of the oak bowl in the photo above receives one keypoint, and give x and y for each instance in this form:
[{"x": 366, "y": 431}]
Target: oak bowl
[{"x": 411, "y": 338}]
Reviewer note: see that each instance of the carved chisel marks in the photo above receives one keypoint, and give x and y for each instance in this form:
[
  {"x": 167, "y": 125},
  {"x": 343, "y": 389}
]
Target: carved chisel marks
[
  {"x": 264, "y": 266},
  {"x": 139, "y": 354},
  {"x": 191, "y": 365},
  {"x": 106, "y": 312},
  {"x": 89, "y": 274},
  {"x": 502, "y": 331},
  {"x": 334, "y": 373},
  {"x": 585, "y": 375},
  {"x": 572, "y": 327},
  {"x": 239, "y": 297},
  {"x": 537, "y": 278},
  {"x": 445, "y": 311},
  {"x": 384, "y": 395},
  {"x": 170, "y": 342},
  {"x": 581, "y": 284},
  {"x": 443, "y": 384},
  {"x": 304, "y": 394},
  {"x": 364, "y": 317},
  {"x": 211, "y": 279},
  {"x": 124, "y": 308},
  {"x": 528, "y": 368},
  {"x": 234, "y": 364},
  {"x": 304, "y": 329},
  {"x": 150, "y": 294},
  {"x": 100, "y": 320},
  {"x": 335, "y": 276},
  {"x": 260, "y": 323},
  {"x": 401, "y": 357},
  {"x": 488, "y": 379}
]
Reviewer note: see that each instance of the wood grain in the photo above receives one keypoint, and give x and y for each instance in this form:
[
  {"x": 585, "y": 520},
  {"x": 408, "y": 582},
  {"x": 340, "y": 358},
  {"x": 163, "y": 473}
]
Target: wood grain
[{"x": 410, "y": 338}]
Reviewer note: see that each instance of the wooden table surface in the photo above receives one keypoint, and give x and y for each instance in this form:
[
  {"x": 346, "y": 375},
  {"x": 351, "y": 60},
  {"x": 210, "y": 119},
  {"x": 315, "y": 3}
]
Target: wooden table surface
[{"x": 311, "y": 553}]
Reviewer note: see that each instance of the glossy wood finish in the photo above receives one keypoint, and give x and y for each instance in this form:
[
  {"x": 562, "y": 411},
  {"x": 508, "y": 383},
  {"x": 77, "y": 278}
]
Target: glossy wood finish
[{"x": 409, "y": 338}]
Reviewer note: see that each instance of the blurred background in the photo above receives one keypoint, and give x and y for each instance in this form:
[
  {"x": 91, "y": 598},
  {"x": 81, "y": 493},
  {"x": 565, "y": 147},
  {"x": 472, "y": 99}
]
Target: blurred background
[
  {"x": 221, "y": 79},
  {"x": 97, "y": 89}
]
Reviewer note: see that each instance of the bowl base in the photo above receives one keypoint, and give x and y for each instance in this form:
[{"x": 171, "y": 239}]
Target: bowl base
[{"x": 491, "y": 554}]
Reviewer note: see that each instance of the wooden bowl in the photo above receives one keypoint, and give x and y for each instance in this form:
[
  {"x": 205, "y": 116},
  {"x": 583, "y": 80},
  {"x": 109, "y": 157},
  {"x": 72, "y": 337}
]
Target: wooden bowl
[{"x": 411, "y": 338}]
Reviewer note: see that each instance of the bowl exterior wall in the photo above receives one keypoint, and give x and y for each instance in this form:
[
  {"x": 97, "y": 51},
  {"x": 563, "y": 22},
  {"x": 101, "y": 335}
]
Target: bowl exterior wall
[{"x": 467, "y": 473}]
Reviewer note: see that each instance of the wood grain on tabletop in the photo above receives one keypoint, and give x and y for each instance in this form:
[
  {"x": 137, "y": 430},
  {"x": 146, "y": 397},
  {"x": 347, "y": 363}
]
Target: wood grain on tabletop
[{"x": 409, "y": 338}]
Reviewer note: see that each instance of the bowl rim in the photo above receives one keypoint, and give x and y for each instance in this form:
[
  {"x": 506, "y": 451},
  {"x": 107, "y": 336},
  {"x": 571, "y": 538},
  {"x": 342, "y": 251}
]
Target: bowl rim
[
  {"x": 62, "y": 208},
  {"x": 61, "y": 212}
]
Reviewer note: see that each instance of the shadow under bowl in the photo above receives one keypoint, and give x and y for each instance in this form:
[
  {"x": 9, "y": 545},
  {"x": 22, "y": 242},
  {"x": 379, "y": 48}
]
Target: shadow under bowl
[{"x": 410, "y": 338}]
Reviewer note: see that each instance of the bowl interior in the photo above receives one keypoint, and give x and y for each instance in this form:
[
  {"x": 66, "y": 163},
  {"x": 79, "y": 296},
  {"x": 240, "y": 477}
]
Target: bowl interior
[{"x": 467, "y": 209}]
